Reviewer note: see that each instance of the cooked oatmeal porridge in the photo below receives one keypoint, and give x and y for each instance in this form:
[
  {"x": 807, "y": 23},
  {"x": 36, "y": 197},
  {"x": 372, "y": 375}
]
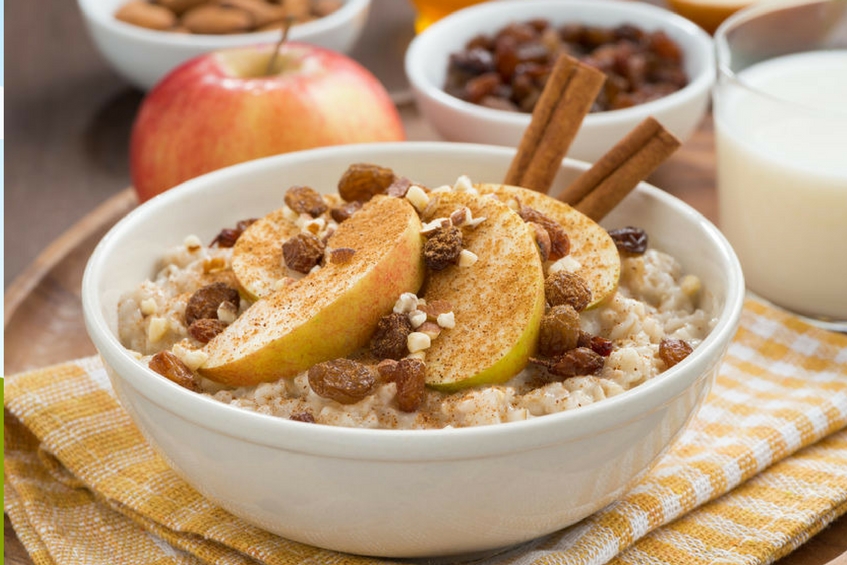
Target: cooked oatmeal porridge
[{"x": 655, "y": 317}]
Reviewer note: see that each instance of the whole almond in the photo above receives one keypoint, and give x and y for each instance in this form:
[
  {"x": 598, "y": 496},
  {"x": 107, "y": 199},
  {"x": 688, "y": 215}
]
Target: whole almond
[
  {"x": 179, "y": 7},
  {"x": 212, "y": 19},
  {"x": 144, "y": 14},
  {"x": 263, "y": 13}
]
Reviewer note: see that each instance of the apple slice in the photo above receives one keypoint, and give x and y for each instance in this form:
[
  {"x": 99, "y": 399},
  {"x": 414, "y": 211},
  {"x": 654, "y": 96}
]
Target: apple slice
[
  {"x": 331, "y": 312},
  {"x": 498, "y": 301},
  {"x": 257, "y": 254},
  {"x": 593, "y": 254}
]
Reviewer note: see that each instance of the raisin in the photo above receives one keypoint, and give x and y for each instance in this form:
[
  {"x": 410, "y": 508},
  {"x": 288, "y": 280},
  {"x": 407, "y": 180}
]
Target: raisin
[
  {"x": 630, "y": 239},
  {"x": 474, "y": 61},
  {"x": 411, "y": 386},
  {"x": 343, "y": 380},
  {"x": 228, "y": 236},
  {"x": 559, "y": 331},
  {"x": 361, "y": 181},
  {"x": 303, "y": 417},
  {"x": 204, "y": 303},
  {"x": 600, "y": 345},
  {"x": 343, "y": 212},
  {"x": 574, "y": 363},
  {"x": 172, "y": 368},
  {"x": 302, "y": 252},
  {"x": 563, "y": 287},
  {"x": 389, "y": 338},
  {"x": 672, "y": 351},
  {"x": 560, "y": 244},
  {"x": 542, "y": 240},
  {"x": 204, "y": 329},
  {"x": 305, "y": 200},
  {"x": 443, "y": 247}
]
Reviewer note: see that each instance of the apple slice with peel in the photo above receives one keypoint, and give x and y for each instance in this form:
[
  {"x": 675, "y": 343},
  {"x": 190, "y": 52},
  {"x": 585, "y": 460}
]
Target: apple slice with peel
[
  {"x": 257, "y": 254},
  {"x": 331, "y": 312},
  {"x": 498, "y": 301},
  {"x": 593, "y": 254}
]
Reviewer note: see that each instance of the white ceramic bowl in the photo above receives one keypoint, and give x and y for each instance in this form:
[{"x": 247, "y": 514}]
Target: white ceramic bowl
[
  {"x": 392, "y": 492},
  {"x": 143, "y": 56},
  {"x": 456, "y": 120}
]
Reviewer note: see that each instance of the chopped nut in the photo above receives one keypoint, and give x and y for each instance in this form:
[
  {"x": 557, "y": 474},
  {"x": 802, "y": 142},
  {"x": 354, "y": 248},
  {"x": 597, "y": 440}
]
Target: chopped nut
[
  {"x": 399, "y": 187},
  {"x": 344, "y": 211},
  {"x": 303, "y": 417},
  {"x": 343, "y": 380},
  {"x": 361, "y": 181},
  {"x": 311, "y": 225},
  {"x": 341, "y": 255},
  {"x": 463, "y": 184},
  {"x": 204, "y": 303},
  {"x": 690, "y": 285},
  {"x": 560, "y": 244},
  {"x": 214, "y": 264},
  {"x": 390, "y": 338},
  {"x": 563, "y": 287},
  {"x": 407, "y": 302},
  {"x": 431, "y": 329},
  {"x": 467, "y": 258},
  {"x": 436, "y": 308},
  {"x": 417, "y": 317},
  {"x": 447, "y": 320},
  {"x": 442, "y": 249},
  {"x": 305, "y": 200},
  {"x": 192, "y": 243},
  {"x": 559, "y": 331},
  {"x": 409, "y": 377},
  {"x": 417, "y": 197},
  {"x": 227, "y": 312},
  {"x": 461, "y": 216},
  {"x": 193, "y": 358},
  {"x": 156, "y": 329},
  {"x": 418, "y": 341},
  {"x": 172, "y": 368},
  {"x": 302, "y": 252},
  {"x": 148, "y": 306},
  {"x": 429, "y": 228},
  {"x": 672, "y": 351},
  {"x": 204, "y": 329}
]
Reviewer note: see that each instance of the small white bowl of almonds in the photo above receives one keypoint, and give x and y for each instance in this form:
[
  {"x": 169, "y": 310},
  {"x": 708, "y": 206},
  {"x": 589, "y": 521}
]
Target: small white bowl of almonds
[{"x": 145, "y": 39}]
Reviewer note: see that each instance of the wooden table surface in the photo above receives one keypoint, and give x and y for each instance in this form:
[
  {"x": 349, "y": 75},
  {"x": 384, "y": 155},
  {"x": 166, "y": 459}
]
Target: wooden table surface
[{"x": 66, "y": 176}]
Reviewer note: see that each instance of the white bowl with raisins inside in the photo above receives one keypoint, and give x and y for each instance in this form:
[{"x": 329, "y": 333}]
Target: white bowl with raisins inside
[
  {"x": 143, "y": 40},
  {"x": 477, "y": 74},
  {"x": 374, "y": 451}
]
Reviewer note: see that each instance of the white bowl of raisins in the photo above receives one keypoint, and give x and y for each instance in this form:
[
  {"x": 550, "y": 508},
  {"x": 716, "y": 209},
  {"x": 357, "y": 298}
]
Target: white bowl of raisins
[
  {"x": 402, "y": 492},
  {"x": 143, "y": 40},
  {"x": 477, "y": 74}
]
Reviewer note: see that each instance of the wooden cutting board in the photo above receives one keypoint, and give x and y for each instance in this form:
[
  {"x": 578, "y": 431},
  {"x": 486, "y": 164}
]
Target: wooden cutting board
[{"x": 43, "y": 313}]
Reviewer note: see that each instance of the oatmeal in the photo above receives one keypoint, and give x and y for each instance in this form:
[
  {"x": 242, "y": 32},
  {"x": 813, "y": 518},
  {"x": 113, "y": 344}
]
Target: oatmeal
[{"x": 584, "y": 349}]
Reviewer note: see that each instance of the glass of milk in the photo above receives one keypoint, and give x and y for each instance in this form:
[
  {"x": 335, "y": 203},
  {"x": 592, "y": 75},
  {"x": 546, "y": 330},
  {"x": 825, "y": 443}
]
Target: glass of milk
[{"x": 780, "y": 111}]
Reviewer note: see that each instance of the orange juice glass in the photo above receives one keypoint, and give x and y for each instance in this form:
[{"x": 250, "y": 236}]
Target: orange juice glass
[{"x": 429, "y": 11}]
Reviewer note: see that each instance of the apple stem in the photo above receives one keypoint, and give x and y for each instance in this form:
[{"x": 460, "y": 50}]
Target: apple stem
[{"x": 286, "y": 26}]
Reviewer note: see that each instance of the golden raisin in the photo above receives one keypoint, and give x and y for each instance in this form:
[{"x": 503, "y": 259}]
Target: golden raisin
[
  {"x": 672, "y": 351},
  {"x": 343, "y": 380},
  {"x": 560, "y": 243},
  {"x": 205, "y": 329},
  {"x": 228, "y": 236},
  {"x": 204, "y": 303},
  {"x": 302, "y": 252},
  {"x": 389, "y": 339},
  {"x": 305, "y": 200},
  {"x": 562, "y": 287},
  {"x": 172, "y": 368},
  {"x": 341, "y": 255},
  {"x": 361, "y": 181},
  {"x": 559, "y": 330},
  {"x": 574, "y": 363},
  {"x": 411, "y": 386},
  {"x": 630, "y": 239}
]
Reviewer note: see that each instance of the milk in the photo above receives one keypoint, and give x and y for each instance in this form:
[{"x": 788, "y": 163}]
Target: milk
[{"x": 782, "y": 179}]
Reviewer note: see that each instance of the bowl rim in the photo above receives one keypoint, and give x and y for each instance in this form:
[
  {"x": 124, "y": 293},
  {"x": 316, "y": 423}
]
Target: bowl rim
[
  {"x": 414, "y": 60},
  {"x": 94, "y": 11},
  {"x": 397, "y": 445}
]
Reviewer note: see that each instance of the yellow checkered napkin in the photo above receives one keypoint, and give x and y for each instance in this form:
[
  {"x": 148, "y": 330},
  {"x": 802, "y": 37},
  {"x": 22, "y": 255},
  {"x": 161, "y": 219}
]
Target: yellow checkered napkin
[{"x": 761, "y": 468}]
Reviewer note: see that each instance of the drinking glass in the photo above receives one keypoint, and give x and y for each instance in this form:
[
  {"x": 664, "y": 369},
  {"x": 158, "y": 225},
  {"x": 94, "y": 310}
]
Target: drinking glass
[{"x": 780, "y": 111}]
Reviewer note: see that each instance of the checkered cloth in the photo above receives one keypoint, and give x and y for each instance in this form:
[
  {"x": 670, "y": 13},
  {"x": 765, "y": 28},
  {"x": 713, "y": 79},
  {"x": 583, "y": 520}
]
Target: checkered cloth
[{"x": 761, "y": 468}]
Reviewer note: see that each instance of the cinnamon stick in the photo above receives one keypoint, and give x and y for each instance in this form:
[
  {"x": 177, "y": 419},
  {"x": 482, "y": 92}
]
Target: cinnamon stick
[
  {"x": 600, "y": 188},
  {"x": 565, "y": 101}
]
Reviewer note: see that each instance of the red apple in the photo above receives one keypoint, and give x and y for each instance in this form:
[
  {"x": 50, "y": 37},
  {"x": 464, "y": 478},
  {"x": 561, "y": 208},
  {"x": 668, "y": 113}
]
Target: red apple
[{"x": 223, "y": 108}]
